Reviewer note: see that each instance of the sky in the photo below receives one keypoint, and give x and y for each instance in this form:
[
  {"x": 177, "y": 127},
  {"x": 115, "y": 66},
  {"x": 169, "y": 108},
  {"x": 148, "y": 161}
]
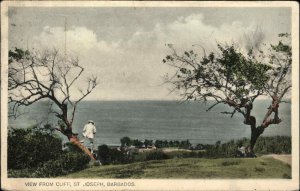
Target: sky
[{"x": 124, "y": 46}]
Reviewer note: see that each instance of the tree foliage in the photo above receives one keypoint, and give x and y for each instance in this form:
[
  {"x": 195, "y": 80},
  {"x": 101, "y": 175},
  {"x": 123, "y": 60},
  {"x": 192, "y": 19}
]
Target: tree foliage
[
  {"x": 126, "y": 141},
  {"x": 232, "y": 77}
]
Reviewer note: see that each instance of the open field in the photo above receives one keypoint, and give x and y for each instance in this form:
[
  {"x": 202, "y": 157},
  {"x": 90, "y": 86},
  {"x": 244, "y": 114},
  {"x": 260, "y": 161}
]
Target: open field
[{"x": 262, "y": 167}]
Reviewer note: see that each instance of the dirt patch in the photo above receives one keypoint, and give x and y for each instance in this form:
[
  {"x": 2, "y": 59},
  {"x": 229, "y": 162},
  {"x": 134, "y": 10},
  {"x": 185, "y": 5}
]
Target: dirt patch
[
  {"x": 167, "y": 150},
  {"x": 284, "y": 158}
]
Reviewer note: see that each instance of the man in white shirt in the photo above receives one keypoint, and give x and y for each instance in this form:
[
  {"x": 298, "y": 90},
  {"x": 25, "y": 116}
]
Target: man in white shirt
[{"x": 88, "y": 132}]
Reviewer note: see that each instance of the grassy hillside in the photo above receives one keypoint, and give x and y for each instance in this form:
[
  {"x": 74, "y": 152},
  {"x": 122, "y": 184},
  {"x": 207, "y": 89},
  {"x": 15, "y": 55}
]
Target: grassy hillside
[{"x": 191, "y": 168}]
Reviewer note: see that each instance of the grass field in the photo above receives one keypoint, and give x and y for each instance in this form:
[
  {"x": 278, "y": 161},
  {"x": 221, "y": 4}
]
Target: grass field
[{"x": 191, "y": 168}]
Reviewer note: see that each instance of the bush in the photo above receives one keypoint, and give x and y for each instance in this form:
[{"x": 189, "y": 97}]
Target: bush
[
  {"x": 27, "y": 148},
  {"x": 184, "y": 154},
  {"x": 180, "y": 144},
  {"x": 36, "y": 153},
  {"x": 285, "y": 175},
  {"x": 264, "y": 145},
  {"x": 156, "y": 155},
  {"x": 23, "y": 173},
  {"x": 66, "y": 163},
  {"x": 276, "y": 144},
  {"x": 103, "y": 154},
  {"x": 230, "y": 163},
  {"x": 151, "y": 155},
  {"x": 74, "y": 161},
  {"x": 51, "y": 168},
  {"x": 112, "y": 156}
]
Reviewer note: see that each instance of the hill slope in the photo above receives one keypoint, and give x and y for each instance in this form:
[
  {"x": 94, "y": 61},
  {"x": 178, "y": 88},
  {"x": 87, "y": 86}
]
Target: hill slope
[{"x": 191, "y": 168}]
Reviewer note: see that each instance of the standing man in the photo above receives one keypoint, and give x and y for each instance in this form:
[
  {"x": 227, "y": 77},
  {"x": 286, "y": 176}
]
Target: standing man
[{"x": 88, "y": 132}]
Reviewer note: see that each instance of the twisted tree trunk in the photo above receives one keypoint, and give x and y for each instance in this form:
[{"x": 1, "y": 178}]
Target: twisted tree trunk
[
  {"x": 68, "y": 130},
  {"x": 74, "y": 140},
  {"x": 255, "y": 133}
]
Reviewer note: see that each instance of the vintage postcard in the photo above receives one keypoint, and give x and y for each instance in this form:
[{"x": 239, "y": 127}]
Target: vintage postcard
[{"x": 149, "y": 95}]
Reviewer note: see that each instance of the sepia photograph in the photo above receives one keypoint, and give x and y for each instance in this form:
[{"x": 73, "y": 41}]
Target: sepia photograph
[{"x": 149, "y": 95}]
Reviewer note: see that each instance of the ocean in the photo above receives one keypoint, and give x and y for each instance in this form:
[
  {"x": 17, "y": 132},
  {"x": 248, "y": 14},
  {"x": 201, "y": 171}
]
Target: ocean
[{"x": 160, "y": 120}]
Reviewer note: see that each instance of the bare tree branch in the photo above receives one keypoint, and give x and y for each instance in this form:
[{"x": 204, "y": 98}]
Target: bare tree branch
[{"x": 35, "y": 76}]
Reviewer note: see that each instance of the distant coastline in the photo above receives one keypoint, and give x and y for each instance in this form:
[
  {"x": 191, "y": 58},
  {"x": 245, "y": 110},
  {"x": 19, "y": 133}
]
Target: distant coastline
[{"x": 159, "y": 119}]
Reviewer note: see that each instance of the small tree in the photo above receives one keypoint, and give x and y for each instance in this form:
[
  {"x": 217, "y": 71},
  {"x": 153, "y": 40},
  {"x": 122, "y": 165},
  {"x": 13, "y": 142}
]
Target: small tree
[
  {"x": 35, "y": 76},
  {"x": 126, "y": 141},
  {"x": 229, "y": 76},
  {"x": 137, "y": 143},
  {"x": 148, "y": 143}
]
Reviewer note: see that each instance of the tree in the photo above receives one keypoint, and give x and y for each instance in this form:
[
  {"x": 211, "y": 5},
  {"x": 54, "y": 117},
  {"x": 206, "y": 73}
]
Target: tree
[
  {"x": 126, "y": 141},
  {"x": 234, "y": 78},
  {"x": 35, "y": 76},
  {"x": 137, "y": 143},
  {"x": 148, "y": 143}
]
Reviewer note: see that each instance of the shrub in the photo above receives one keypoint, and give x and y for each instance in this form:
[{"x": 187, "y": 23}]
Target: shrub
[
  {"x": 118, "y": 157},
  {"x": 66, "y": 163},
  {"x": 156, "y": 155},
  {"x": 34, "y": 152},
  {"x": 183, "y": 154},
  {"x": 103, "y": 154},
  {"x": 285, "y": 175},
  {"x": 111, "y": 156},
  {"x": 276, "y": 144},
  {"x": 200, "y": 147},
  {"x": 51, "y": 168},
  {"x": 230, "y": 162},
  {"x": 74, "y": 161},
  {"x": 23, "y": 173},
  {"x": 151, "y": 155},
  {"x": 264, "y": 145},
  {"x": 30, "y": 147},
  {"x": 180, "y": 144}
]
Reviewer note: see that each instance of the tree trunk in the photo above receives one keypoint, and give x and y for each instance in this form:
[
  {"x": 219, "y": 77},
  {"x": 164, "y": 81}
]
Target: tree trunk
[
  {"x": 74, "y": 139},
  {"x": 76, "y": 142},
  {"x": 255, "y": 133}
]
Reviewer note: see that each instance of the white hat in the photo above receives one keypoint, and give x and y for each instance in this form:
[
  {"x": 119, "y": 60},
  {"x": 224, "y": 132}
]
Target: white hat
[{"x": 91, "y": 121}]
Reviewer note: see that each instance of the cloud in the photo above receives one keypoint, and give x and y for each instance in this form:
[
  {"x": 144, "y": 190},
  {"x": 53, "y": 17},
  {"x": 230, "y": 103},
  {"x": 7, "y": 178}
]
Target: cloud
[
  {"x": 132, "y": 68},
  {"x": 79, "y": 40}
]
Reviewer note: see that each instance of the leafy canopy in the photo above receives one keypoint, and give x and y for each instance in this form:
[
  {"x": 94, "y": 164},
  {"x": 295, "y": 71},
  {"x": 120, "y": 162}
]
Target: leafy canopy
[{"x": 230, "y": 76}]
